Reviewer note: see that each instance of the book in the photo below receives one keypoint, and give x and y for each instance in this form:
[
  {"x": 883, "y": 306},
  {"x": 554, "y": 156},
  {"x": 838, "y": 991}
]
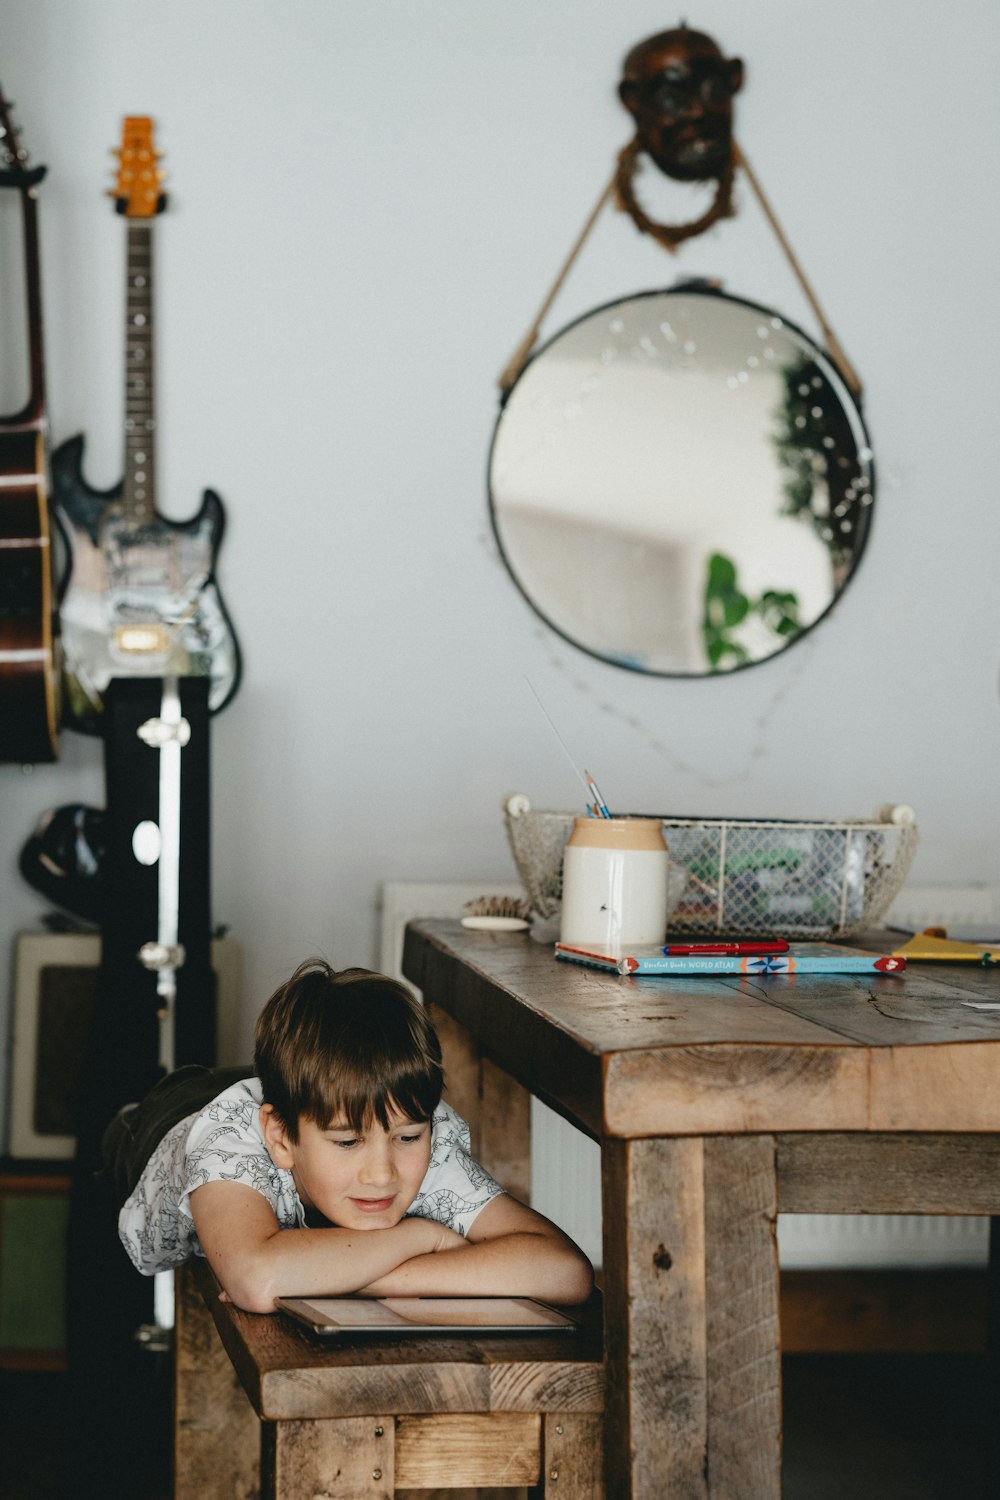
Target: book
[
  {"x": 931, "y": 948},
  {"x": 801, "y": 958}
]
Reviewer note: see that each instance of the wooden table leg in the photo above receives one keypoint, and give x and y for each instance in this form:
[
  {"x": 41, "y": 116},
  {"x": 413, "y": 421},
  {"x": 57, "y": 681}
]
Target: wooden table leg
[
  {"x": 691, "y": 1319},
  {"x": 744, "y": 1334},
  {"x": 350, "y": 1457},
  {"x": 215, "y": 1427},
  {"x": 572, "y": 1449}
]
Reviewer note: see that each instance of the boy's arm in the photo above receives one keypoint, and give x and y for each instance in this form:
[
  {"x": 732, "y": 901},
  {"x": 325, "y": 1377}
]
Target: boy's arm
[
  {"x": 256, "y": 1260},
  {"x": 510, "y": 1251}
]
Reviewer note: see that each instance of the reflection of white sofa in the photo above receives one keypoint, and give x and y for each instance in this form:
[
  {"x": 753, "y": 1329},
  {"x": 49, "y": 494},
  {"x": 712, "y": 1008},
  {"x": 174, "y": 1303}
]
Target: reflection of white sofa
[
  {"x": 616, "y": 594},
  {"x": 640, "y": 599}
]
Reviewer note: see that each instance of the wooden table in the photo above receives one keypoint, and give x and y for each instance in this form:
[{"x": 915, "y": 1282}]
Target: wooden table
[
  {"x": 265, "y": 1411},
  {"x": 716, "y": 1101}
]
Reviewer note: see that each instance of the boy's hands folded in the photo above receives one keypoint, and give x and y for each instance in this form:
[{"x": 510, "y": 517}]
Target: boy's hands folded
[
  {"x": 418, "y": 1237},
  {"x": 446, "y": 1239}
]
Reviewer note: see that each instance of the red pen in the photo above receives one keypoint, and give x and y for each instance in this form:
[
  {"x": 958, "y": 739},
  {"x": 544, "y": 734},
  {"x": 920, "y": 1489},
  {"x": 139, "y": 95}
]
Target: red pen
[{"x": 751, "y": 950}]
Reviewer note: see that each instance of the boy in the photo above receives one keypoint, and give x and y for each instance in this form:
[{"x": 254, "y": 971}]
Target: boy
[{"x": 337, "y": 1168}]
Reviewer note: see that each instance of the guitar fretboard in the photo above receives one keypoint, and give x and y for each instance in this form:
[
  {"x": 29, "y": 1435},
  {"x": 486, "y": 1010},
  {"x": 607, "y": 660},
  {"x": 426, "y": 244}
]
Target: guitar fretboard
[{"x": 140, "y": 432}]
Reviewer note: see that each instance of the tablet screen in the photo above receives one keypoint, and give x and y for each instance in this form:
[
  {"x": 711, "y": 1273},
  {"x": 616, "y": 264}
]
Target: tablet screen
[{"x": 399, "y": 1315}]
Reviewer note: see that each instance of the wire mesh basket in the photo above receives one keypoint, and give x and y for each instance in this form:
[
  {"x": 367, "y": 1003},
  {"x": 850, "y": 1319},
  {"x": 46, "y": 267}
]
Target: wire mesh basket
[{"x": 796, "y": 878}]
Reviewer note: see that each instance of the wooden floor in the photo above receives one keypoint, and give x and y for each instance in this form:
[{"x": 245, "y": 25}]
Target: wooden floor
[{"x": 857, "y": 1427}]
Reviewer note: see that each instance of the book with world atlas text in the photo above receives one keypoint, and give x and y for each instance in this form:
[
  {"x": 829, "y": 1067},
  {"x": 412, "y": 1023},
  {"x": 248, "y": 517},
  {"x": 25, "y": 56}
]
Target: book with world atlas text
[{"x": 801, "y": 958}]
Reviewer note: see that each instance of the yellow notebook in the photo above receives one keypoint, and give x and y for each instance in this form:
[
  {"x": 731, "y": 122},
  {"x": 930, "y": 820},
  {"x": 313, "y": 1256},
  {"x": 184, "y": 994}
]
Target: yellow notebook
[{"x": 933, "y": 946}]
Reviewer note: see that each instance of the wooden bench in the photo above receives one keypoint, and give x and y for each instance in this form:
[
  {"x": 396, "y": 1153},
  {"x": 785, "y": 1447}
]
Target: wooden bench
[{"x": 265, "y": 1409}]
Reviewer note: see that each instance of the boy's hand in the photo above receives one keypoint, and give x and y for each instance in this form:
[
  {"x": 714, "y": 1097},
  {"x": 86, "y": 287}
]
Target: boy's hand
[
  {"x": 432, "y": 1238},
  {"x": 510, "y": 1251},
  {"x": 428, "y": 1238},
  {"x": 445, "y": 1238}
]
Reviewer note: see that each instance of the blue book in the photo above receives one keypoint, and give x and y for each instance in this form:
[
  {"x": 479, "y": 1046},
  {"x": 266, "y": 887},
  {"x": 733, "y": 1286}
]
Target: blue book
[{"x": 801, "y": 958}]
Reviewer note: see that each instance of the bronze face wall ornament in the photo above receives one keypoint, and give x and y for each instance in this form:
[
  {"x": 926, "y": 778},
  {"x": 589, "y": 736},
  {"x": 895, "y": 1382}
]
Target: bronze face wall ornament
[{"x": 679, "y": 89}]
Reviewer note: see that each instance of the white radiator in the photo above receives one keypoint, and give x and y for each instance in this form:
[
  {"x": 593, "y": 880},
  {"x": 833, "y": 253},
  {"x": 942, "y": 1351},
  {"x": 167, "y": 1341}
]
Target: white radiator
[{"x": 565, "y": 1164}]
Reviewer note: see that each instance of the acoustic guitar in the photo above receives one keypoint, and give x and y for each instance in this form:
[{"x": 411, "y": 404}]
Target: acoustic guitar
[
  {"x": 29, "y": 672},
  {"x": 141, "y": 599}
]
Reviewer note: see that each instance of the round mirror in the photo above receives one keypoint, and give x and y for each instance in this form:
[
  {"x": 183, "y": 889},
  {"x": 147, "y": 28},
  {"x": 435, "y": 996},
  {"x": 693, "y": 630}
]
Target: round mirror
[{"x": 681, "y": 482}]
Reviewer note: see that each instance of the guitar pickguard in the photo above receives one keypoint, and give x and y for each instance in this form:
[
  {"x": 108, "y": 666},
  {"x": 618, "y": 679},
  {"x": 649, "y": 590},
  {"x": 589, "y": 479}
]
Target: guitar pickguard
[{"x": 141, "y": 600}]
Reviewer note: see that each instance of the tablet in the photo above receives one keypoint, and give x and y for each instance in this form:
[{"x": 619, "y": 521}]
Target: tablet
[{"x": 335, "y": 1316}]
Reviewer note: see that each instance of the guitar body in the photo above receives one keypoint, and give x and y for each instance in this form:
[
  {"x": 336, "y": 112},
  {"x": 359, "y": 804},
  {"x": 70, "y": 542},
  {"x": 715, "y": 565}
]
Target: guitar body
[
  {"x": 28, "y": 670},
  {"x": 141, "y": 598}
]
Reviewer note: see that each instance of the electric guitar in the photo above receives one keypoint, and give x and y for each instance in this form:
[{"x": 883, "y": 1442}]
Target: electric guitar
[
  {"x": 29, "y": 674},
  {"x": 141, "y": 598}
]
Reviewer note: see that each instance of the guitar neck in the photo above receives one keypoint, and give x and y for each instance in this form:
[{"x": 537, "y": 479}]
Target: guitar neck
[
  {"x": 139, "y": 496},
  {"x": 34, "y": 413},
  {"x": 29, "y": 712}
]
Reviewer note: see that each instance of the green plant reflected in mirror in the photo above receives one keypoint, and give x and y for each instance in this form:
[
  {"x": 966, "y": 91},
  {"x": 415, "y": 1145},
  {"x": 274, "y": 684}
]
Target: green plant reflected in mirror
[{"x": 681, "y": 483}]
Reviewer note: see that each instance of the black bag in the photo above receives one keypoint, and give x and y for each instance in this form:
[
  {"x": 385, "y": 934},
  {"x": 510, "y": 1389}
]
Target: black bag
[{"x": 137, "y": 1129}]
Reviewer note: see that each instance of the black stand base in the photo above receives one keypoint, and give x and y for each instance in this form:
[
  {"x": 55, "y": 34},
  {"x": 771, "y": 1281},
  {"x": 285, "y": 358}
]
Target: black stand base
[{"x": 108, "y": 1301}]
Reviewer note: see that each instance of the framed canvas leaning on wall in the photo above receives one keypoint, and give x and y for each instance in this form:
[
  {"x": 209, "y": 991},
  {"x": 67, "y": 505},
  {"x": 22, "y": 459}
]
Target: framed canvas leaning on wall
[{"x": 55, "y": 979}]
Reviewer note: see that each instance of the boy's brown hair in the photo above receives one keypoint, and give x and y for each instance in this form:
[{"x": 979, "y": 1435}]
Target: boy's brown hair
[{"x": 346, "y": 1047}]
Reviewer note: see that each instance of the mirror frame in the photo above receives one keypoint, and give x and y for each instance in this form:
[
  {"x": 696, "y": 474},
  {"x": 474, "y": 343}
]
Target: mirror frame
[{"x": 852, "y": 404}]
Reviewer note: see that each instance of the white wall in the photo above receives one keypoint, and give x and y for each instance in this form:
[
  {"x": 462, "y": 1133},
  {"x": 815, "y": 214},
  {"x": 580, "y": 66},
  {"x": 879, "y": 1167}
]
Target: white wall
[{"x": 368, "y": 202}]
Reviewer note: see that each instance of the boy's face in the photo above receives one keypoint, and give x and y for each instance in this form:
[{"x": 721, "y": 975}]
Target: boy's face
[{"x": 363, "y": 1180}]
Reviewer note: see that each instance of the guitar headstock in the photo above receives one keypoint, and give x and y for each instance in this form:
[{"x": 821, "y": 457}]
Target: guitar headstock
[
  {"x": 137, "y": 192},
  {"x": 14, "y": 169}
]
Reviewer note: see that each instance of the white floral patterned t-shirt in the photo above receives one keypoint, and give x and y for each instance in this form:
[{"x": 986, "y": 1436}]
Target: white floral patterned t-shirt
[{"x": 224, "y": 1143}]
